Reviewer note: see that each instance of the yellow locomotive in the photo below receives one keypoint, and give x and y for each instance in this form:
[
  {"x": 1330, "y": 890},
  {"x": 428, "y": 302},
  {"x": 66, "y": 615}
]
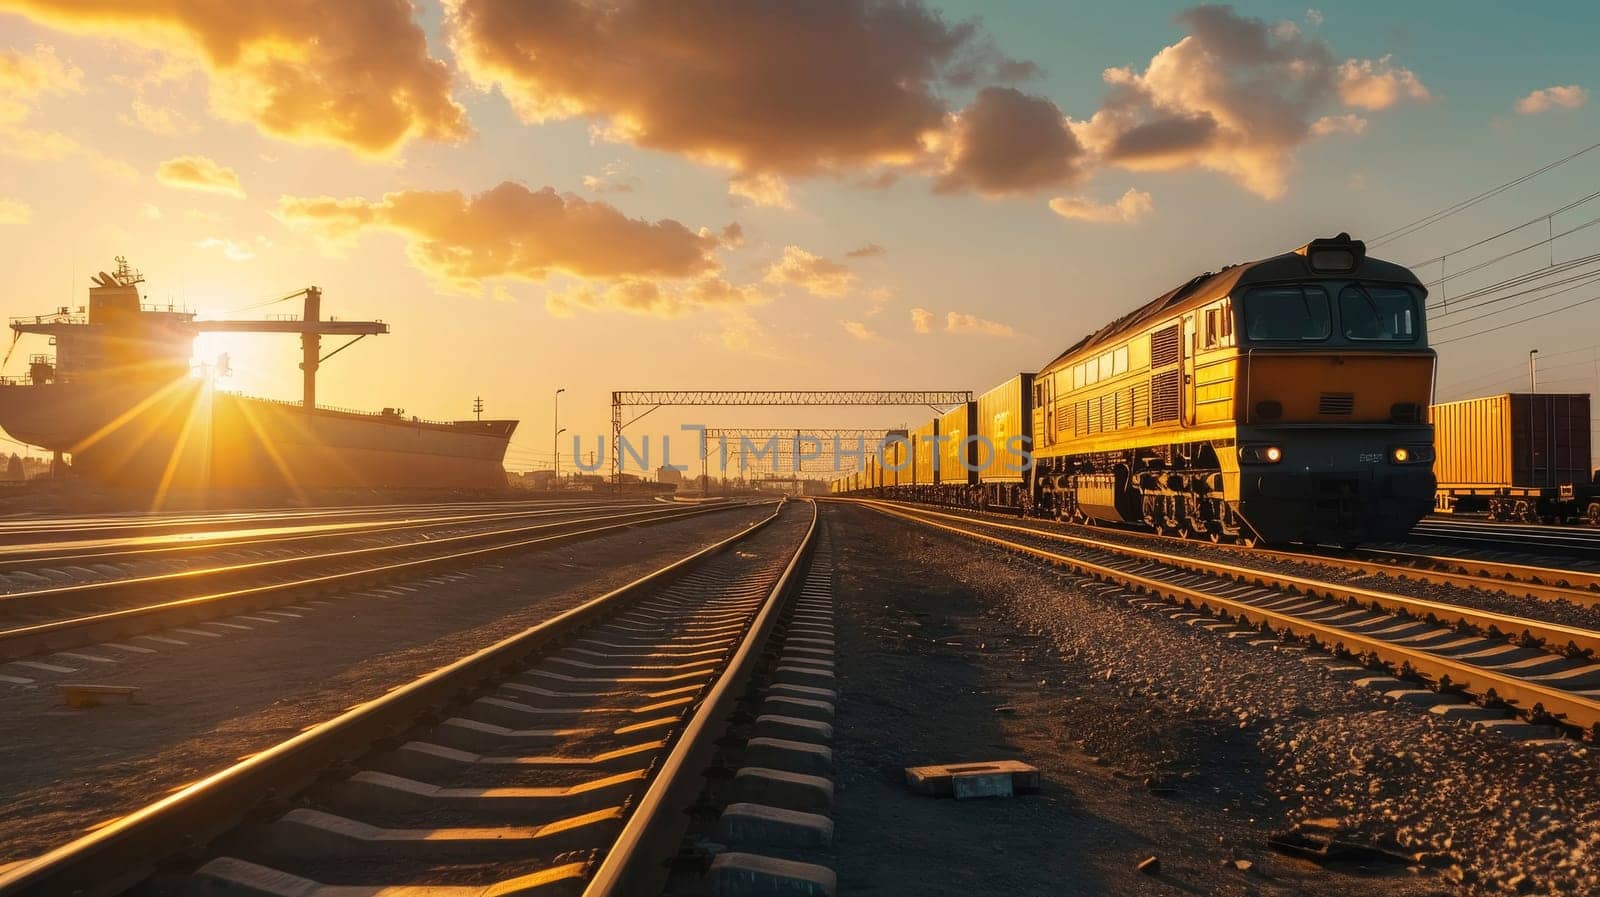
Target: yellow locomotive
[{"x": 1284, "y": 400}]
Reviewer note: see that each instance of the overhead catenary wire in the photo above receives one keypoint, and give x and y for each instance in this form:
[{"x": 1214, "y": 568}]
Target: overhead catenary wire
[{"x": 1435, "y": 217}]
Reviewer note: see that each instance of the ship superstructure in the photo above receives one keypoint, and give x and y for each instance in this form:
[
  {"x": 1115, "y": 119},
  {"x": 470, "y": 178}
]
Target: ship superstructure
[{"x": 120, "y": 398}]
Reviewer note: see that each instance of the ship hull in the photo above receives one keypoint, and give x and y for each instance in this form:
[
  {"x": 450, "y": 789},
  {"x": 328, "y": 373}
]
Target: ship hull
[{"x": 187, "y": 437}]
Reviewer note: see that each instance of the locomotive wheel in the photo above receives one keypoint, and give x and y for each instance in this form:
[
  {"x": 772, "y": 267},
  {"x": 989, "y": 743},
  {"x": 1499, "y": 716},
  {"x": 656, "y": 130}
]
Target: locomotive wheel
[{"x": 1593, "y": 514}]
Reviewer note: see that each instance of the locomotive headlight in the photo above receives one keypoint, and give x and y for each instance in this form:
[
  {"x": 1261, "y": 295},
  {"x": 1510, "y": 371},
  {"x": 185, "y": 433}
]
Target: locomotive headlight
[
  {"x": 1260, "y": 454},
  {"x": 1411, "y": 454}
]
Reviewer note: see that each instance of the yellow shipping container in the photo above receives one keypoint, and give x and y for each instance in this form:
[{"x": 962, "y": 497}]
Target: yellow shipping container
[
  {"x": 956, "y": 458},
  {"x": 1005, "y": 412},
  {"x": 922, "y": 448}
]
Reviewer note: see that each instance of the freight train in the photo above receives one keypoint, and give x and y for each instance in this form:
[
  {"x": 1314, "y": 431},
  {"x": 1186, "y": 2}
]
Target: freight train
[{"x": 1281, "y": 400}]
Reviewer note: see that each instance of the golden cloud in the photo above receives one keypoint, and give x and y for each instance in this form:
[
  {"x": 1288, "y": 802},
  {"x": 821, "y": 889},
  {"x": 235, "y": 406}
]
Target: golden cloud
[
  {"x": 1377, "y": 84},
  {"x": 648, "y": 297},
  {"x": 767, "y": 88},
  {"x": 960, "y": 322},
  {"x": 521, "y": 234},
  {"x": 199, "y": 173},
  {"x": 354, "y": 74},
  {"x": 921, "y": 320},
  {"x": 1007, "y": 143},
  {"x": 812, "y": 273},
  {"x": 860, "y": 331},
  {"x": 1236, "y": 95},
  {"x": 14, "y": 211},
  {"x": 1132, "y": 206},
  {"x": 24, "y": 80},
  {"x": 1569, "y": 96}
]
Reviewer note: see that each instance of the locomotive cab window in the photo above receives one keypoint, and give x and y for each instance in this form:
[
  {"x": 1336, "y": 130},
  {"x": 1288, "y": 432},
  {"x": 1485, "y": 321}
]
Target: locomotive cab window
[
  {"x": 1378, "y": 314},
  {"x": 1298, "y": 313}
]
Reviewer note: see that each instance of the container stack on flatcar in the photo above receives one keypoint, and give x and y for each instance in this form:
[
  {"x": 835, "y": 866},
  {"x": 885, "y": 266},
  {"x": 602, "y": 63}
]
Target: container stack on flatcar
[
  {"x": 1284, "y": 399},
  {"x": 1517, "y": 456}
]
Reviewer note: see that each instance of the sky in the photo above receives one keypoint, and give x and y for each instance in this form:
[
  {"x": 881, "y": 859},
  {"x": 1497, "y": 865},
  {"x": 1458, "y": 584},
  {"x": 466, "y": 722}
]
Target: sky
[{"x": 837, "y": 194}]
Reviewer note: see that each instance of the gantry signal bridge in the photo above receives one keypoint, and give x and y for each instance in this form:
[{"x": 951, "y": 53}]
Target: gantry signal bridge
[{"x": 652, "y": 399}]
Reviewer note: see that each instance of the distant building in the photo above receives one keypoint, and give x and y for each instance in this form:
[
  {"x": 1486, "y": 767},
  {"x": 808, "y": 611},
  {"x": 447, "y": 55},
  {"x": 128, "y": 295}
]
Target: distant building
[{"x": 669, "y": 476}]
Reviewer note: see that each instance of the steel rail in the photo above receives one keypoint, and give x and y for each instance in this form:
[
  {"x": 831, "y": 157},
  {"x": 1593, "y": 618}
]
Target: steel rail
[
  {"x": 60, "y": 635},
  {"x": 1546, "y": 583},
  {"x": 1521, "y": 575},
  {"x": 1529, "y": 698},
  {"x": 236, "y": 538},
  {"x": 48, "y": 599},
  {"x": 1554, "y": 636},
  {"x": 134, "y": 526},
  {"x": 125, "y": 851},
  {"x": 635, "y": 863}
]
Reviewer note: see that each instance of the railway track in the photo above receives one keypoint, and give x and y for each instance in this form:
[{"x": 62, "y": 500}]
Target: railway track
[
  {"x": 79, "y": 548},
  {"x": 1544, "y": 672},
  {"x": 64, "y": 617},
  {"x": 1563, "y": 541},
  {"x": 1581, "y": 587},
  {"x": 558, "y": 760},
  {"x": 21, "y": 530}
]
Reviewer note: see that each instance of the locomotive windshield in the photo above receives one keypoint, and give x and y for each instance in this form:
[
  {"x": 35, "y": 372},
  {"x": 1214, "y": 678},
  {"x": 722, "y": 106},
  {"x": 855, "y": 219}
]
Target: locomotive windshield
[
  {"x": 1293, "y": 313},
  {"x": 1382, "y": 314}
]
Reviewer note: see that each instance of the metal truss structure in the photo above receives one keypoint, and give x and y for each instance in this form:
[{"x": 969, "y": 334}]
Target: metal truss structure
[{"x": 652, "y": 399}]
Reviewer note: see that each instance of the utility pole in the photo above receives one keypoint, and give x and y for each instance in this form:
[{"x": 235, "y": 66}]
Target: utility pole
[
  {"x": 556, "y": 431},
  {"x": 477, "y": 407},
  {"x": 1533, "y": 371}
]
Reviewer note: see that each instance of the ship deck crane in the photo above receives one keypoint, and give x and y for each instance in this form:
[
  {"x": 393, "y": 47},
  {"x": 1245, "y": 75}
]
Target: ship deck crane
[{"x": 311, "y": 326}]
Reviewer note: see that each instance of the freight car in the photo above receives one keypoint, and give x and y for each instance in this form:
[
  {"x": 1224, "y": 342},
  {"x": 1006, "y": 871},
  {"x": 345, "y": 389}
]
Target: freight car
[
  {"x": 1282, "y": 400},
  {"x": 1517, "y": 456}
]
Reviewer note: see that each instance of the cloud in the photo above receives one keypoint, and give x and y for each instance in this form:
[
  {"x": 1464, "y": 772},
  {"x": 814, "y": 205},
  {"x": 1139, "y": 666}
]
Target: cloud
[
  {"x": 871, "y": 250},
  {"x": 14, "y": 211},
  {"x": 1235, "y": 95},
  {"x": 25, "y": 79},
  {"x": 613, "y": 178},
  {"x": 921, "y": 320},
  {"x": 1369, "y": 84},
  {"x": 767, "y": 88},
  {"x": 814, "y": 274},
  {"x": 1132, "y": 206},
  {"x": 199, "y": 173},
  {"x": 354, "y": 74},
  {"x": 517, "y": 233},
  {"x": 234, "y": 252},
  {"x": 1569, "y": 96},
  {"x": 860, "y": 331},
  {"x": 959, "y": 322},
  {"x": 1314, "y": 17},
  {"x": 648, "y": 297},
  {"x": 1348, "y": 123},
  {"x": 1008, "y": 143},
  {"x": 761, "y": 189},
  {"x": 157, "y": 120}
]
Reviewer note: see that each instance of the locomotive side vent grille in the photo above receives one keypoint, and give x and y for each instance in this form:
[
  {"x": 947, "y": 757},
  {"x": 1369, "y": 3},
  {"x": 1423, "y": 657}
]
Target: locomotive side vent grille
[
  {"x": 1336, "y": 403},
  {"x": 1164, "y": 397},
  {"x": 1164, "y": 347}
]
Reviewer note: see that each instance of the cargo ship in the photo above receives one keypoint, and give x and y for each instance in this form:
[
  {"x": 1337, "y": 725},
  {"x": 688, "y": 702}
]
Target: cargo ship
[{"x": 121, "y": 404}]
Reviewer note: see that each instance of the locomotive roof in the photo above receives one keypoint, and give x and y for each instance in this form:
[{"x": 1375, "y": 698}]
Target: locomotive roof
[{"x": 1198, "y": 291}]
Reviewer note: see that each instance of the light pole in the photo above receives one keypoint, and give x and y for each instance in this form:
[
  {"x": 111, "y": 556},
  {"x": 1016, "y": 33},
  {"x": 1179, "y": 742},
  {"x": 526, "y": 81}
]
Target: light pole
[
  {"x": 555, "y": 440},
  {"x": 1533, "y": 371}
]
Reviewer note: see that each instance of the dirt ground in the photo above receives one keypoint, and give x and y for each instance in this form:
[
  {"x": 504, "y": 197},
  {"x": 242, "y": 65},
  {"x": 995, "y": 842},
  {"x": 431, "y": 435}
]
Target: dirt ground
[
  {"x": 215, "y": 699},
  {"x": 941, "y": 661}
]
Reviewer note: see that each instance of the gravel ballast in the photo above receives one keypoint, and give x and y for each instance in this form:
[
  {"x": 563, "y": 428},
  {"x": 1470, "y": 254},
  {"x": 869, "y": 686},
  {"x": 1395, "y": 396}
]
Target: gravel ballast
[{"x": 1156, "y": 737}]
